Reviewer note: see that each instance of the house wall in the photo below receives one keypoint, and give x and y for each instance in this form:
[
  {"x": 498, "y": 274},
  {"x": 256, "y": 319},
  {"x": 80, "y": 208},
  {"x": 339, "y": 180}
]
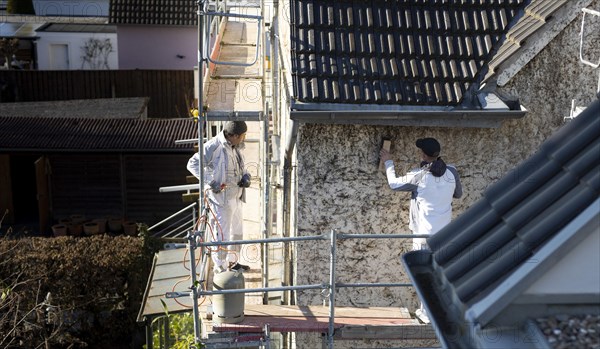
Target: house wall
[
  {"x": 575, "y": 276},
  {"x": 143, "y": 47},
  {"x": 340, "y": 186},
  {"x": 75, "y": 43}
]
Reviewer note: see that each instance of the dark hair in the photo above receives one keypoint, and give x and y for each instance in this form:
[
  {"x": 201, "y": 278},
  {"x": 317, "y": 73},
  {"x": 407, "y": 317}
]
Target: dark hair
[
  {"x": 437, "y": 167},
  {"x": 235, "y": 128}
]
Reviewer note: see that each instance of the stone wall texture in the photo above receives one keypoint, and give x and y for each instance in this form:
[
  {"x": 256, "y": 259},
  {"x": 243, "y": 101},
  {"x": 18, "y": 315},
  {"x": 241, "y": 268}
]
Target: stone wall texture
[{"x": 341, "y": 187}]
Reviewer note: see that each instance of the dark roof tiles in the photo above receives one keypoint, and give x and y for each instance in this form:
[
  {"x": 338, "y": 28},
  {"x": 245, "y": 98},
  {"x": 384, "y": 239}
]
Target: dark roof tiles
[
  {"x": 403, "y": 52},
  {"x": 406, "y": 45},
  {"x": 522, "y": 211},
  {"x": 154, "y": 12}
]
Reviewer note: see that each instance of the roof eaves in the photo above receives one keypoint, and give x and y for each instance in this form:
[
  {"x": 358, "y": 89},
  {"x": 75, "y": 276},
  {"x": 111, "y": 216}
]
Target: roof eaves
[
  {"x": 415, "y": 118},
  {"x": 551, "y": 253},
  {"x": 491, "y": 116}
]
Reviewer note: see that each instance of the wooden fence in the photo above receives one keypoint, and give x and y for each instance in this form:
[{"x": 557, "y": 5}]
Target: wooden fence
[{"x": 171, "y": 92}]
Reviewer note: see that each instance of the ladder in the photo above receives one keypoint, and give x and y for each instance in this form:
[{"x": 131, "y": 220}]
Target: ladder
[{"x": 231, "y": 85}]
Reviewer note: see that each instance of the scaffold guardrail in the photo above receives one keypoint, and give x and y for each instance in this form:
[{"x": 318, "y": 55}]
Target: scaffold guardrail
[{"x": 331, "y": 286}]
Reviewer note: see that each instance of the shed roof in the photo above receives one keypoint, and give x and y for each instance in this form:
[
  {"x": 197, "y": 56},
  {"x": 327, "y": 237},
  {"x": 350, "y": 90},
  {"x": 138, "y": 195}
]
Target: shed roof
[
  {"x": 97, "y": 108},
  {"x": 77, "y": 28},
  {"x": 417, "y": 53},
  {"x": 154, "y": 12},
  {"x": 91, "y": 135},
  {"x": 21, "y": 30},
  {"x": 520, "y": 219}
]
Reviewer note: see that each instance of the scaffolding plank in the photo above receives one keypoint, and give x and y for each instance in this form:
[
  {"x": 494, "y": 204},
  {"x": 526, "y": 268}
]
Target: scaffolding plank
[
  {"x": 241, "y": 32},
  {"x": 234, "y": 95},
  {"x": 350, "y": 322},
  {"x": 416, "y": 331},
  {"x": 167, "y": 270},
  {"x": 243, "y": 54}
]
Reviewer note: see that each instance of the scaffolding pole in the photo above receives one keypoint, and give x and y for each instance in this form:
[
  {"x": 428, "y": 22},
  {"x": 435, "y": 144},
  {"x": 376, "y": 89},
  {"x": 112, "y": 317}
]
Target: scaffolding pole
[
  {"x": 195, "y": 235},
  {"x": 331, "y": 286}
]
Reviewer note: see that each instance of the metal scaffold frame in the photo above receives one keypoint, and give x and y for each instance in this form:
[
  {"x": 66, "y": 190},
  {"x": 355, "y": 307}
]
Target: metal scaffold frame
[
  {"x": 196, "y": 236},
  {"x": 203, "y": 59},
  {"x": 331, "y": 286}
]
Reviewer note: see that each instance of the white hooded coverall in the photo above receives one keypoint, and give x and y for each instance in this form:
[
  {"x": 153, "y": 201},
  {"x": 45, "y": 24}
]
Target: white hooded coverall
[
  {"x": 431, "y": 201},
  {"x": 223, "y": 164}
]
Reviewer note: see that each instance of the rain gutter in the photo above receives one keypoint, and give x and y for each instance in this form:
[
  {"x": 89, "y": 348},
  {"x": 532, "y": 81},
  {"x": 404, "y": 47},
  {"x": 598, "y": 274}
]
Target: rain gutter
[{"x": 417, "y": 118}]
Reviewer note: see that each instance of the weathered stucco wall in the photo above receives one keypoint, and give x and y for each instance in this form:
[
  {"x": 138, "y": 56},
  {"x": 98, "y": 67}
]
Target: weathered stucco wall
[{"x": 340, "y": 186}]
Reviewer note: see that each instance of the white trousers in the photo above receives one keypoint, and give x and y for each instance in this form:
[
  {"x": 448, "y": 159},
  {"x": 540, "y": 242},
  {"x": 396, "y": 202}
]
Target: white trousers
[
  {"x": 419, "y": 244},
  {"x": 228, "y": 226}
]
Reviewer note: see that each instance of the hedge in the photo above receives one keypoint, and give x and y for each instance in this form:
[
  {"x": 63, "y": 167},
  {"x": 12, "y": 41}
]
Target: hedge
[{"x": 96, "y": 285}]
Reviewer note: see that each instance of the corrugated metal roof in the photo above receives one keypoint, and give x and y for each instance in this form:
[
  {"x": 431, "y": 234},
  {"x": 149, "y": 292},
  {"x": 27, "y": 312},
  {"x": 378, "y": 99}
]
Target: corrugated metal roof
[
  {"x": 78, "y": 134},
  {"x": 506, "y": 229},
  {"x": 154, "y": 12},
  {"x": 18, "y": 30},
  {"x": 394, "y": 52},
  {"x": 97, "y": 108}
]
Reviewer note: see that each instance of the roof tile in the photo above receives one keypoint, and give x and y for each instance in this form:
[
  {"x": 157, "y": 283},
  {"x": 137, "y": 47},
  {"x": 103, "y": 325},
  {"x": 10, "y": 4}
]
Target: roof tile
[
  {"x": 154, "y": 12},
  {"x": 399, "y": 49}
]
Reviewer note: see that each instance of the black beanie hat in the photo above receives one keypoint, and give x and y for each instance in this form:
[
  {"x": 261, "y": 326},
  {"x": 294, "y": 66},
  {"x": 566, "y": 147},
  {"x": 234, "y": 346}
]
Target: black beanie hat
[
  {"x": 429, "y": 146},
  {"x": 235, "y": 128}
]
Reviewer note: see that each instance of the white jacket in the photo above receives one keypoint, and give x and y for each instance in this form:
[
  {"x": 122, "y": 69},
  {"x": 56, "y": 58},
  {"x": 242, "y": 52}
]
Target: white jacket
[
  {"x": 431, "y": 201},
  {"x": 223, "y": 164}
]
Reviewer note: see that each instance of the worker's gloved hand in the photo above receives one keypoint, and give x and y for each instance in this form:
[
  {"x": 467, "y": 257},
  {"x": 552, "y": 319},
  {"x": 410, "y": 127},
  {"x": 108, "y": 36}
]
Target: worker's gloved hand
[
  {"x": 215, "y": 187},
  {"x": 245, "y": 181}
]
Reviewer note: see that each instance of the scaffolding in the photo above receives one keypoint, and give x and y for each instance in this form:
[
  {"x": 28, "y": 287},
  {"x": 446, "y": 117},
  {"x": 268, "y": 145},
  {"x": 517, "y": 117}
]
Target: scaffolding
[
  {"x": 209, "y": 18},
  {"x": 330, "y": 287}
]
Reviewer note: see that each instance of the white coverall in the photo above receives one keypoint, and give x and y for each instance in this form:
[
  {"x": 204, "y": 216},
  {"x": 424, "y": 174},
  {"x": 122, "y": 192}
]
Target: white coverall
[
  {"x": 431, "y": 201},
  {"x": 223, "y": 164},
  {"x": 430, "y": 204}
]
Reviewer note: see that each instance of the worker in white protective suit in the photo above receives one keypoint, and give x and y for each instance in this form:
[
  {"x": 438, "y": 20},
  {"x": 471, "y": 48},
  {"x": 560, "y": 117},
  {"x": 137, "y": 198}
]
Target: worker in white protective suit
[
  {"x": 433, "y": 186},
  {"x": 225, "y": 181}
]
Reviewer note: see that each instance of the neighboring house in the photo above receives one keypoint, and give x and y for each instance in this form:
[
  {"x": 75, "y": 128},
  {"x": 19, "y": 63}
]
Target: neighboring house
[
  {"x": 54, "y": 167},
  {"x": 61, "y": 42},
  {"x": 156, "y": 34},
  {"x": 73, "y": 46},
  {"x": 524, "y": 261},
  {"x": 490, "y": 81}
]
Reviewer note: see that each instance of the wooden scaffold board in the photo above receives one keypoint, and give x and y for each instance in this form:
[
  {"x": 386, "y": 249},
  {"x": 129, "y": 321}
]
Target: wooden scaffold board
[{"x": 350, "y": 322}]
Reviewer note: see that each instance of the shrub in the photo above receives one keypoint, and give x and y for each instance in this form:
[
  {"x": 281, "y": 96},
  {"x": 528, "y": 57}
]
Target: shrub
[{"x": 72, "y": 292}]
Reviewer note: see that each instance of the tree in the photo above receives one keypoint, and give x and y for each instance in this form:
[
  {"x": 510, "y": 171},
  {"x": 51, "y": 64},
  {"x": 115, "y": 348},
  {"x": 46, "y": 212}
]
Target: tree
[
  {"x": 8, "y": 48},
  {"x": 96, "y": 53},
  {"x": 20, "y": 7}
]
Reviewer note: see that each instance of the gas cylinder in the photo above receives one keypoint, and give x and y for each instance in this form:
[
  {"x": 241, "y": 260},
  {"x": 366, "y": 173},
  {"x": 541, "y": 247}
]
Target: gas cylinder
[{"x": 228, "y": 308}]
